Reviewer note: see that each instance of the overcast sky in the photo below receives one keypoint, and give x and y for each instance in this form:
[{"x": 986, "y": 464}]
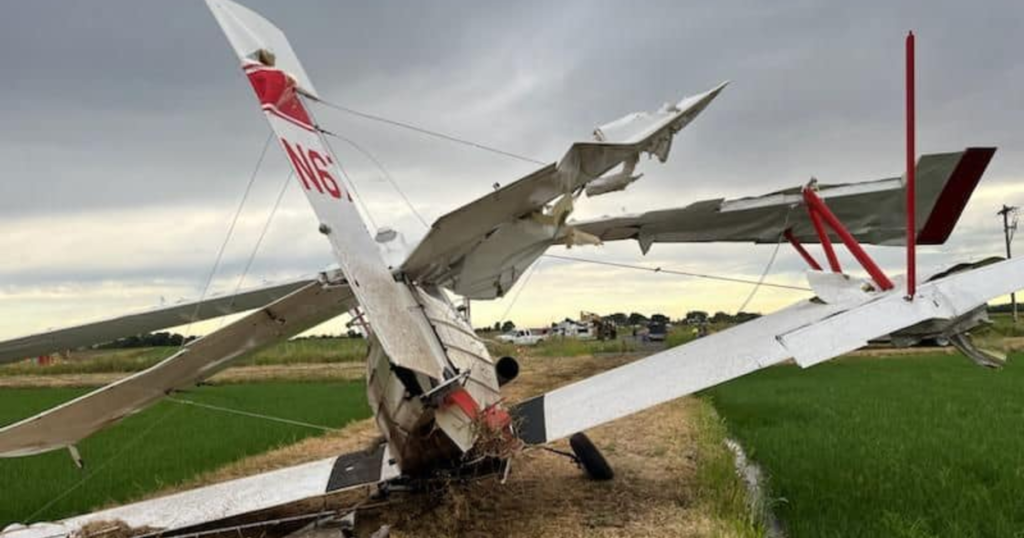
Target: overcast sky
[{"x": 129, "y": 133}]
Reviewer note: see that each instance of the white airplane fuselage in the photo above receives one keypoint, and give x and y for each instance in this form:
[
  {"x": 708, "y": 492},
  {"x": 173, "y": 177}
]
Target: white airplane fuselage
[{"x": 431, "y": 423}]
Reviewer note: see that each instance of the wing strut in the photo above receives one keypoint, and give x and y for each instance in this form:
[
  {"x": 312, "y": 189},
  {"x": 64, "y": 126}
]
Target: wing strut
[
  {"x": 820, "y": 212},
  {"x": 797, "y": 246}
]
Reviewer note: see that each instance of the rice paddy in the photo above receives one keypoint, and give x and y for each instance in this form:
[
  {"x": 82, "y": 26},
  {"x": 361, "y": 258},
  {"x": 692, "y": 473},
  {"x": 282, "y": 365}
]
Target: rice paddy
[
  {"x": 913, "y": 446},
  {"x": 164, "y": 445}
]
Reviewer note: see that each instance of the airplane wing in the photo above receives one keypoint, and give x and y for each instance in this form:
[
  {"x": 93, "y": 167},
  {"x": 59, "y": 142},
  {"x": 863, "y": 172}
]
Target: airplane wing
[
  {"x": 441, "y": 257},
  {"x": 66, "y": 424},
  {"x": 874, "y": 211},
  {"x": 100, "y": 332},
  {"x": 230, "y": 502},
  {"x": 810, "y": 332}
]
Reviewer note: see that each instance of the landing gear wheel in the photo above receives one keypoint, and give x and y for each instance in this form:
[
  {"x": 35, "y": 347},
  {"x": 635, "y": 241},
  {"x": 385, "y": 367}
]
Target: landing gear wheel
[{"x": 590, "y": 458}]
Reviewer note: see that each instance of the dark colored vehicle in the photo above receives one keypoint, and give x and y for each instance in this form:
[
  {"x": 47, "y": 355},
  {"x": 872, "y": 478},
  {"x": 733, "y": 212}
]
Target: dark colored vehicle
[{"x": 656, "y": 332}]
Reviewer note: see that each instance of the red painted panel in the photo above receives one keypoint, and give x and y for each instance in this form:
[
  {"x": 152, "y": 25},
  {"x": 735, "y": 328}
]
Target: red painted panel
[{"x": 953, "y": 199}]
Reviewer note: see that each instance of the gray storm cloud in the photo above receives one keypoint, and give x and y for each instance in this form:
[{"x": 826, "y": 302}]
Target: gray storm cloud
[{"x": 135, "y": 110}]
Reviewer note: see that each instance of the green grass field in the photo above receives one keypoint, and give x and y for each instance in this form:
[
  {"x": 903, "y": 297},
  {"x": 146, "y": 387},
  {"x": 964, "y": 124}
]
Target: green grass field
[
  {"x": 914, "y": 446},
  {"x": 164, "y": 445}
]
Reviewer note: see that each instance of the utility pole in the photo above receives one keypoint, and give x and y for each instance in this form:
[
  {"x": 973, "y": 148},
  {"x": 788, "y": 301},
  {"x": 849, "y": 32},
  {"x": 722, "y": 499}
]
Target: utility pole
[{"x": 1008, "y": 231}]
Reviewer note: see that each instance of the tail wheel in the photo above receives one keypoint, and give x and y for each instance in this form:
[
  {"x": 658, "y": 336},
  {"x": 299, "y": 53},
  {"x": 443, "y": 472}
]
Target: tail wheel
[{"x": 590, "y": 458}]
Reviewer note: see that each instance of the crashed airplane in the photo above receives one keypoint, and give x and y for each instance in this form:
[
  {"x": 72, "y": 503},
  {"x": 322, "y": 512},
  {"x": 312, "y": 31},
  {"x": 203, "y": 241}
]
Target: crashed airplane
[{"x": 435, "y": 390}]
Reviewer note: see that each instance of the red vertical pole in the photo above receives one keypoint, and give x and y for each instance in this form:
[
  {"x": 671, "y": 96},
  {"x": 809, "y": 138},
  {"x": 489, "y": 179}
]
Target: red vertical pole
[{"x": 911, "y": 165}]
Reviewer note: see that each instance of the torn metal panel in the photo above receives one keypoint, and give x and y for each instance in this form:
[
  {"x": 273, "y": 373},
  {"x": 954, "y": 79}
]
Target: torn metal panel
[{"x": 942, "y": 298}]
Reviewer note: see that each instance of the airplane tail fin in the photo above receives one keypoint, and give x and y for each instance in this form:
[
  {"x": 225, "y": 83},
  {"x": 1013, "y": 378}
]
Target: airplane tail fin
[{"x": 281, "y": 83}]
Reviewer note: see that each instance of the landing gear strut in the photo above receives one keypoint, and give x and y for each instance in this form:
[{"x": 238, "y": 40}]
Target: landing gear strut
[
  {"x": 586, "y": 455},
  {"x": 590, "y": 458}
]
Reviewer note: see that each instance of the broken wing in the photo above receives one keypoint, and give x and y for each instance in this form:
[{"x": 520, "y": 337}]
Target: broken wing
[
  {"x": 233, "y": 502},
  {"x": 810, "y": 331},
  {"x": 68, "y": 423},
  {"x": 100, "y": 332},
  {"x": 480, "y": 249},
  {"x": 874, "y": 211}
]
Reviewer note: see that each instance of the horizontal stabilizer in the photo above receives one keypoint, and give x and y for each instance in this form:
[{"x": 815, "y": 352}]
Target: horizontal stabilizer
[{"x": 70, "y": 422}]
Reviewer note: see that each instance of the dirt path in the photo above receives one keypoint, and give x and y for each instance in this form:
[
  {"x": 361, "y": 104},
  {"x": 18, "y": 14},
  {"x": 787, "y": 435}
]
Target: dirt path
[{"x": 656, "y": 491}]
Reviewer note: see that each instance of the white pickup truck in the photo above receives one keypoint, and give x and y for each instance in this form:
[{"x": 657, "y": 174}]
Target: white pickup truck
[{"x": 521, "y": 337}]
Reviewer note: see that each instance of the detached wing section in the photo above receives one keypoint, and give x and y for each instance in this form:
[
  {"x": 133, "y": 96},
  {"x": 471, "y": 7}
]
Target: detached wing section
[
  {"x": 873, "y": 211},
  {"x": 143, "y": 322},
  {"x": 68, "y": 423},
  {"x": 233, "y": 502},
  {"x": 809, "y": 331},
  {"x": 440, "y": 259}
]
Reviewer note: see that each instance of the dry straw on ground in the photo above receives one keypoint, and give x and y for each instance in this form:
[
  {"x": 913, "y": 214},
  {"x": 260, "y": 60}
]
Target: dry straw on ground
[{"x": 657, "y": 490}]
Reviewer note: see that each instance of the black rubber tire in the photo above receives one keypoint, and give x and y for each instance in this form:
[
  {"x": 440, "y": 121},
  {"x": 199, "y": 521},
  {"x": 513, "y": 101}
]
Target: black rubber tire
[{"x": 590, "y": 458}]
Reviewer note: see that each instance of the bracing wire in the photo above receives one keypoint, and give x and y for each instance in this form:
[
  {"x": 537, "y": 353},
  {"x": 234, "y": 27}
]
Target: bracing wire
[
  {"x": 525, "y": 280},
  {"x": 768, "y": 266},
  {"x": 675, "y": 272},
  {"x": 250, "y": 414},
  {"x": 96, "y": 470},
  {"x": 425, "y": 131},
  {"x": 259, "y": 241},
  {"x": 384, "y": 172},
  {"x": 764, "y": 273},
  {"x": 348, "y": 179},
  {"x": 227, "y": 239}
]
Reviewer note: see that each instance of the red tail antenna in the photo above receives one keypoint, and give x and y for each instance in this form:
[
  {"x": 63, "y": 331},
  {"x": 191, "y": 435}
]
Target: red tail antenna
[
  {"x": 911, "y": 166},
  {"x": 911, "y": 222}
]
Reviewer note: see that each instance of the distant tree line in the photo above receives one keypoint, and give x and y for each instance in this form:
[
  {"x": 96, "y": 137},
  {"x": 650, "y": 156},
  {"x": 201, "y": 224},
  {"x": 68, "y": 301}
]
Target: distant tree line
[
  {"x": 621, "y": 319},
  {"x": 165, "y": 339},
  {"x": 161, "y": 339},
  {"x": 1004, "y": 308}
]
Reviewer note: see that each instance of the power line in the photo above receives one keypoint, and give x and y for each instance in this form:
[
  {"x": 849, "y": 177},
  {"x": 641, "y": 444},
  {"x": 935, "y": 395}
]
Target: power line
[
  {"x": 259, "y": 241},
  {"x": 347, "y": 178},
  {"x": 680, "y": 273},
  {"x": 227, "y": 239},
  {"x": 425, "y": 131},
  {"x": 250, "y": 414},
  {"x": 384, "y": 172},
  {"x": 525, "y": 281}
]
